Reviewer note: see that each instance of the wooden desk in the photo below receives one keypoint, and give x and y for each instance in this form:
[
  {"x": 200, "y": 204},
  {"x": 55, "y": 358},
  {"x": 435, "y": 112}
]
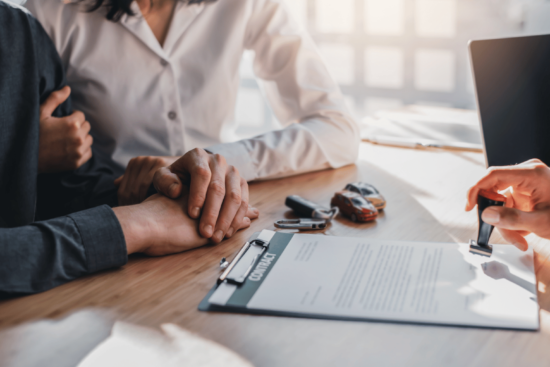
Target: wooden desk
[{"x": 426, "y": 197}]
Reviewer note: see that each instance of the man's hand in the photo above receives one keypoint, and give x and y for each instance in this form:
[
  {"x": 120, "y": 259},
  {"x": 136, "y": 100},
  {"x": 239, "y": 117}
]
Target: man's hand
[
  {"x": 216, "y": 190},
  {"x": 159, "y": 226},
  {"x": 527, "y": 208},
  {"x": 138, "y": 177},
  {"x": 64, "y": 142}
]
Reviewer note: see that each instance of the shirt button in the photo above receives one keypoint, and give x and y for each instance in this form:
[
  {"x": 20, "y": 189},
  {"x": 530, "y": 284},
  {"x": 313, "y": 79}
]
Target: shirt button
[
  {"x": 163, "y": 62},
  {"x": 172, "y": 115}
]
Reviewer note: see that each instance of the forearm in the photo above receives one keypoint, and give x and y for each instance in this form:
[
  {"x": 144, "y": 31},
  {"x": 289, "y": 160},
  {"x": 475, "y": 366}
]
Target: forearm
[
  {"x": 319, "y": 130},
  {"x": 317, "y": 143},
  {"x": 46, "y": 254}
]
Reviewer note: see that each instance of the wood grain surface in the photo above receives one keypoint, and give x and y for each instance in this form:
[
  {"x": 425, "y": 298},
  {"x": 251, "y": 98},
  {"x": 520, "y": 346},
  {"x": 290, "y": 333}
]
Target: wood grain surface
[{"x": 425, "y": 190}]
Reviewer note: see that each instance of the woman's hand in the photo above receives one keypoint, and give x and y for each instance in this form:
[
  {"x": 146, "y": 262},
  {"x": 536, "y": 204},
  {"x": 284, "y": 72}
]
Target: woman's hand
[
  {"x": 65, "y": 143},
  {"x": 218, "y": 194},
  {"x": 134, "y": 184},
  {"x": 527, "y": 208}
]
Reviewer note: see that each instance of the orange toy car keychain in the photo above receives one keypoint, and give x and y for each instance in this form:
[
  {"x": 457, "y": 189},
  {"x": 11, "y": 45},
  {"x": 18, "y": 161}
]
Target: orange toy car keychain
[
  {"x": 354, "y": 206},
  {"x": 369, "y": 192},
  {"x": 485, "y": 199}
]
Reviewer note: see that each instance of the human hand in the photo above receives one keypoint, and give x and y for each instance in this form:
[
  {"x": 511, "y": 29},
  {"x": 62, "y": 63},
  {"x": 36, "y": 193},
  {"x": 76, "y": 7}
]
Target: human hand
[
  {"x": 216, "y": 189},
  {"x": 527, "y": 207},
  {"x": 138, "y": 177},
  {"x": 160, "y": 226},
  {"x": 65, "y": 143}
]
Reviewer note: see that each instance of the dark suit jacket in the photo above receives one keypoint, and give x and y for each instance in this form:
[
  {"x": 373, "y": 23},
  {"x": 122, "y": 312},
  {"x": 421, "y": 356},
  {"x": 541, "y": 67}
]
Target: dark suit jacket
[{"x": 48, "y": 233}]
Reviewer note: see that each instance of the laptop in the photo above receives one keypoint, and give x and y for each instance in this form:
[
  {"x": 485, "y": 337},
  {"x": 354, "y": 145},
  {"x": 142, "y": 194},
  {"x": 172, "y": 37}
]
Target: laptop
[{"x": 512, "y": 80}]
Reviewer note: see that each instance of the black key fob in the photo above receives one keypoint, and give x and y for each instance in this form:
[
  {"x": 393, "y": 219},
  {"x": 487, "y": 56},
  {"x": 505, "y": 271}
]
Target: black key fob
[{"x": 304, "y": 208}]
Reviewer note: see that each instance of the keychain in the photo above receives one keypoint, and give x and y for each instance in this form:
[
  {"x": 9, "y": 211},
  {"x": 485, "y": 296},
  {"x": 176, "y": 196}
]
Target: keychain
[
  {"x": 302, "y": 223},
  {"x": 314, "y": 216},
  {"x": 308, "y": 209}
]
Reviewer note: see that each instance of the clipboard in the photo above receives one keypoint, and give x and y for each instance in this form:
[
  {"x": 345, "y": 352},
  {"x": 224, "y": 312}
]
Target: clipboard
[
  {"x": 236, "y": 274},
  {"x": 287, "y": 274}
]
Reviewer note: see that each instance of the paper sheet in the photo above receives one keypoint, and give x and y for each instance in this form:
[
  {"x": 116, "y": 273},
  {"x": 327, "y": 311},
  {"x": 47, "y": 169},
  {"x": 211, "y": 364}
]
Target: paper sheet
[
  {"x": 439, "y": 283},
  {"x": 425, "y": 125}
]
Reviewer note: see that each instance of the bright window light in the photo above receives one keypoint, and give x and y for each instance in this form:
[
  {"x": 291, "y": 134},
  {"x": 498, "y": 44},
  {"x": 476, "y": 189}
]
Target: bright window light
[
  {"x": 298, "y": 9},
  {"x": 246, "y": 68},
  {"x": 384, "y": 17},
  {"x": 339, "y": 59},
  {"x": 435, "y": 70},
  {"x": 249, "y": 108},
  {"x": 384, "y": 67},
  {"x": 435, "y": 18},
  {"x": 354, "y": 108},
  {"x": 335, "y": 16}
]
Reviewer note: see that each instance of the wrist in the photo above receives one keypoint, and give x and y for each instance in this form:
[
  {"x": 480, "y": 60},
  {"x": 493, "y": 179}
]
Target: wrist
[{"x": 137, "y": 226}]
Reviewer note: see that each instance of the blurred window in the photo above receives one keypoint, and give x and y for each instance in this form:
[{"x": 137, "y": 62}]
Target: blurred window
[{"x": 389, "y": 53}]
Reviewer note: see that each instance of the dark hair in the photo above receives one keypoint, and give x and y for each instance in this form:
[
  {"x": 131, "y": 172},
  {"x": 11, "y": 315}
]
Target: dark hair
[{"x": 117, "y": 8}]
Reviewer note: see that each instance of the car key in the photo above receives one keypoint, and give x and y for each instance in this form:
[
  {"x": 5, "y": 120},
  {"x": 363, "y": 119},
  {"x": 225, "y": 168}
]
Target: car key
[
  {"x": 308, "y": 209},
  {"x": 302, "y": 223}
]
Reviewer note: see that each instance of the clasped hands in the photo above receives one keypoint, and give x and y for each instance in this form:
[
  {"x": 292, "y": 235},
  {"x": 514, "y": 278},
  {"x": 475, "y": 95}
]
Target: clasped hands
[
  {"x": 217, "y": 195},
  {"x": 165, "y": 223},
  {"x": 527, "y": 210},
  {"x": 197, "y": 186}
]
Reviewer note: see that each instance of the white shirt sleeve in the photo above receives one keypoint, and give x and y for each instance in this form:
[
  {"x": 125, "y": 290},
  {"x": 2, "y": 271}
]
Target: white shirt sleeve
[{"x": 319, "y": 132}]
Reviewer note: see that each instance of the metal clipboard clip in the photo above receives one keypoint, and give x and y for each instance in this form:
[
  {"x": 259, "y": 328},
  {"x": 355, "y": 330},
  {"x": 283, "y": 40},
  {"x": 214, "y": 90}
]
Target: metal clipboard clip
[
  {"x": 302, "y": 223},
  {"x": 249, "y": 253}
]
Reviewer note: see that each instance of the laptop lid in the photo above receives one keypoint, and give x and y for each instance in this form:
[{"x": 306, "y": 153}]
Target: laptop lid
[{"x": 512, "y": 80}]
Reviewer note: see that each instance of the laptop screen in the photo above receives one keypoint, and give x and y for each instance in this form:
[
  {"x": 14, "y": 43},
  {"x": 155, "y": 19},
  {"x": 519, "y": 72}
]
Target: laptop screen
[{"x": 512, "y": 78}]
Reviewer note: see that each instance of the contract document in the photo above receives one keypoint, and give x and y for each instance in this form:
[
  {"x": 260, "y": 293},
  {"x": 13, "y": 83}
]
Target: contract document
[{"x": 362, "y": 279}]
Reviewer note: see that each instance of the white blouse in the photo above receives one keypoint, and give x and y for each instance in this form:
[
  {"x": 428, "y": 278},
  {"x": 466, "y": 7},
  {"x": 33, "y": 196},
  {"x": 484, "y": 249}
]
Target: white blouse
[{"x": 146, "y": 99}]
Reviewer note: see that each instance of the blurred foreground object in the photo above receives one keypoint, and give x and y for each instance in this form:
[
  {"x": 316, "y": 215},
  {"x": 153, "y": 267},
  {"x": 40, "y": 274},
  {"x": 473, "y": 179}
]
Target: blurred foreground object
[{"x": 136, "y": 346}]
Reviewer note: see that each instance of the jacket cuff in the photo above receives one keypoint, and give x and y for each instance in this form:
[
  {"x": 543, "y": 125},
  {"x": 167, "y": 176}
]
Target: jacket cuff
[
  {"x": 236, "y": 155},
  {"x": 102, "y": 238}
]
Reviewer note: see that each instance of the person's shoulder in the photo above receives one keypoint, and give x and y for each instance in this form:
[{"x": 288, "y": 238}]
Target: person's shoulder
[
  {"x": 12, "y": 8},
  {"x": 16, "y": 15},
  {"x": 54, "y": 14},
  {"x": 42, "y": 6}
]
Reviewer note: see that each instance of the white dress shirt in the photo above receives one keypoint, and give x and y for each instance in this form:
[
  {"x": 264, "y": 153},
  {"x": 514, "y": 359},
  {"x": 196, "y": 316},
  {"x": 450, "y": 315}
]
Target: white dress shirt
[{"x": 142, "y": 98}]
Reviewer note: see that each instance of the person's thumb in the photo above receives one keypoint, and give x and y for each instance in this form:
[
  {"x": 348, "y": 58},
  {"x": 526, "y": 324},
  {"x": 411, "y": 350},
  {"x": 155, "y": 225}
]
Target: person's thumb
[
  {"x": 514, "y": 219},
  {"x": 53, "y": 101},
  {"x": 118, "y": 181},
  {"x": 167, "y": 183}
]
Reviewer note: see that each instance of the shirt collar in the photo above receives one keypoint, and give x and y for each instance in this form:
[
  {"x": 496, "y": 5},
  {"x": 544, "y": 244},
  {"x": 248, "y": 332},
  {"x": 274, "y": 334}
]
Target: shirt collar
[{"x": 183, "y": 17}]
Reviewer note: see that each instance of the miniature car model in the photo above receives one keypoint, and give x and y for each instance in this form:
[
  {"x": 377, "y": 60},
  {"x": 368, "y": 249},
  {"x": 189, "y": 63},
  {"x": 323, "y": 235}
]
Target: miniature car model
[
  {"x": 354, "y": 206},
  {"x": 369, "y": 192}
]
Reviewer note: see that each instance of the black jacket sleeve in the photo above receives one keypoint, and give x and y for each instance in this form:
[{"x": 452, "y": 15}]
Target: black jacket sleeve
[
  {"x": 43, "y": 255},
  {"x": 93, "y": 183},
  {"x": 38, "y": 255}
]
